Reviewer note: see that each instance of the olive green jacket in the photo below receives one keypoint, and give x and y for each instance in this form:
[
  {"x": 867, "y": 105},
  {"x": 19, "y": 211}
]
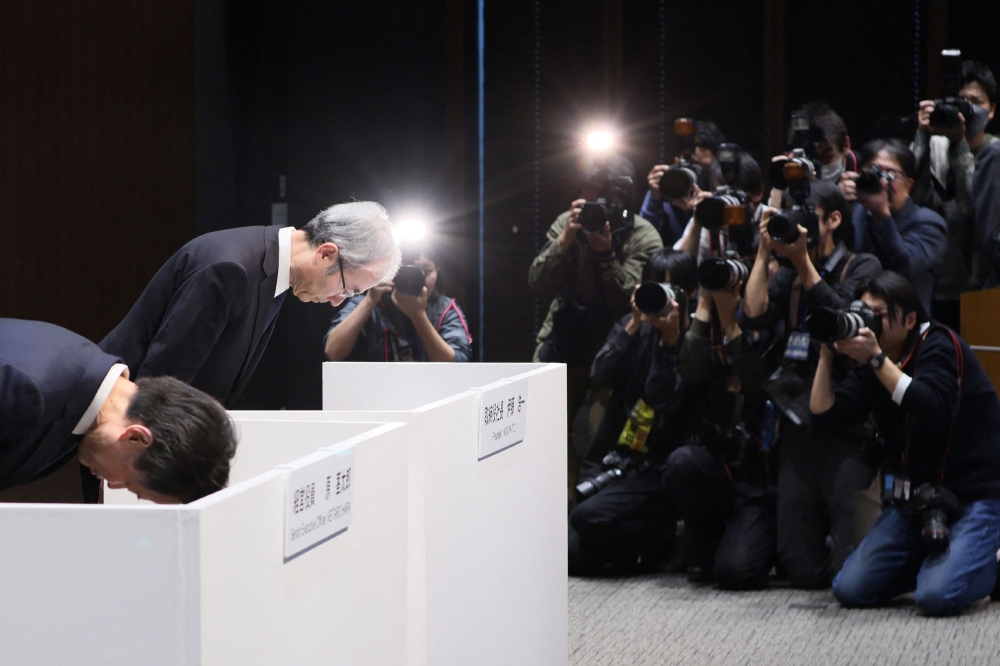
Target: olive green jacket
[{"x": 603, "y": 288}]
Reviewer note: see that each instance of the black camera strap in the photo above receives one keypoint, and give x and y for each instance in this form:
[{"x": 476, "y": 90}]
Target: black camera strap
[{"x": 960, "y": 377}]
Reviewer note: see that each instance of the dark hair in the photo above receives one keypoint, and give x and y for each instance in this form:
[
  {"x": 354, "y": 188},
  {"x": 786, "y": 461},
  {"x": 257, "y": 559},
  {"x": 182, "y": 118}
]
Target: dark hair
[
  {"x": 829, "y": 197},
  {"x": 681, "y": 266},
  {"x": 615, "y": 173},
  {"x": 827, "y": 121},
  {"x": 193, "y": 439},
  {"x": 707, "y": 135},
  {"x": 895, "y": 147},
  {"x": 896, "y": 291},
  {"x": 974, "y": 71},
  {"x": 751, "y": 177}
]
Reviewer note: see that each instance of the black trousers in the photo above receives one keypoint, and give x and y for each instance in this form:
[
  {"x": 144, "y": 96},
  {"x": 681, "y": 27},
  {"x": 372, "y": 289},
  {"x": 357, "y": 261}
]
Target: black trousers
[
  {"x": 624, "y": 528},
  {"x": 819, "y": 482},
  {"x": 731, "y": 530}
]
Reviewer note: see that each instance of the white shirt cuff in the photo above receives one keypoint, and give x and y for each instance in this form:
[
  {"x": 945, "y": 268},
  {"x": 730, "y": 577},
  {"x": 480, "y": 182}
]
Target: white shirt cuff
[{"x": 900, "y": 390}]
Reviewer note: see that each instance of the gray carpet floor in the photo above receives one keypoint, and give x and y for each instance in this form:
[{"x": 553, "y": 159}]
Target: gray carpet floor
[{"x": 662, "y": 619}]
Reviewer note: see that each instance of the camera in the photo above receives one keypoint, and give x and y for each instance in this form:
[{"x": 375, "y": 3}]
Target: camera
[
  {"x": 945, "y": 115},
  {"x": 830, "y": 324},
  {"x": 932, "y": 507},
  {"x": 616, "y": 464},
  {"x": 718, "y": 274},
  {"x": 792, "y": 174},
  {"x": 410, "y": 280},
  {"x": 727, "y": 207},
  {"x": 677, "y": 181},
  {"x": 784, "y": 226},
  {"x": 594, "y": 214},
  {"x": 729, "y": 160},
  {"x": 869, "y": 181},
  {"x": 654, "y": 298}
]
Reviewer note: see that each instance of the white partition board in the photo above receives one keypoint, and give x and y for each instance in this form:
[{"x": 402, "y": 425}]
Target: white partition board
[
  {"x": 487, "y": 576},
  {"x": 207, "y": 583},
  {"x": 380, "y": 386}
]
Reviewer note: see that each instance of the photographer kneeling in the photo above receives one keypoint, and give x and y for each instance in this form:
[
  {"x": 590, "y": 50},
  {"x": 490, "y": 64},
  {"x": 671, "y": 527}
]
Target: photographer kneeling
[
  {"x": 721, "y": 481},
  {"x": 940, "y": 418},
  {"x": 623, "y": 520}
]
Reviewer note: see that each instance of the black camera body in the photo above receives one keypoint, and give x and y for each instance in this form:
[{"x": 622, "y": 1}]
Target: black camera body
[
  {"x": 784, "y": 226},
  {"x": 654, "y": 298},
  {"x": 869, "y": 181},
  {"x": 727, "y": 207},
  {"x": 945, "y": 115},
  {"x": 793, "y": 174},
  {"x": 616, "y": 466},
  {"x": 728, "y": 155},
  {"x": 594, "y": 215},
  {"x": 719, "y": 274},
  {"x": 934, "y": 509},
  {"x": 830, "y": 324},
  {"x": 410, "y": 280}
]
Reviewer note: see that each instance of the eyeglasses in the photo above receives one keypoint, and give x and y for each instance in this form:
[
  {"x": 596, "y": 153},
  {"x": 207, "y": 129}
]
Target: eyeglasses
[{"x": 348, "y": 294}]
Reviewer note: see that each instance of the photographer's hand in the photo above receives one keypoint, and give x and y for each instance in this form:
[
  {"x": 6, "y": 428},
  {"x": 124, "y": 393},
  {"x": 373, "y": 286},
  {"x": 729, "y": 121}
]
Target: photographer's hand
[
  {"x": 956, "y": 134},
  {"x": 669, "y": 326},
  {"x": 374, "y": 294},
  {"x": 415, "y": 307},
  {"x": 411, "y": 306},
  {"x": 703, "y": 312},
  {"x": 766, "y": 242},
  {"x": 877, "y": 204},
  {"x": 848, "y": 186},
  {"x": 654, "y": 180},
  {"x": 924, "y": 116},
  {"x": 568, "y": 235},
  {"x": 600, "y": 242},
  {"x": 798, "y": 253},
  {"x": 632, "y": 327},
  {"x": 862, "y": 347}
]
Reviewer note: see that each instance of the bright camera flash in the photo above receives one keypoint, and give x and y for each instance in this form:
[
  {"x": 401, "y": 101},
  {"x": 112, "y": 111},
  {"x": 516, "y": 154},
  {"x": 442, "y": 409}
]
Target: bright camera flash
[
  {"x": 410, "y": 230},
  {"x": 600, "y": 140}
]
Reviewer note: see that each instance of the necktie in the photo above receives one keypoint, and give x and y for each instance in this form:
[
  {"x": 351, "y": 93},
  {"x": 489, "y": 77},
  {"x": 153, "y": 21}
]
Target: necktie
[{"x": 275, "y": 306}]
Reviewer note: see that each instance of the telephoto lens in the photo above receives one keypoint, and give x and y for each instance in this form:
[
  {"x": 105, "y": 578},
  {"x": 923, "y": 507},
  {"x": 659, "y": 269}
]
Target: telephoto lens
[
  {"x": 677, "y": 181},
  {"x": 654, "y": 298},
  {"x": 410, "y": 280},
  {"x": 830, "y": 325},
  {"x": 869, "y": 181},
  {"x": 598, "y": 483},
  {"x": 784, "y": 227},
  {"x": 593, "y": 216},
  {"x": 725, "y": 209},
  {"x": 716, "y": 274}
]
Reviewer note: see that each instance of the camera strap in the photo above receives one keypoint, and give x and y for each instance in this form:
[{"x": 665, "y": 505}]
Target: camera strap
[{"x": 960, "y": 377}]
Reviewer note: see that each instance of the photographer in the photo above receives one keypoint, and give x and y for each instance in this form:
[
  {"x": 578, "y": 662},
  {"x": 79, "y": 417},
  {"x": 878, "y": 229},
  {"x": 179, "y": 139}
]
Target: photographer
[
  {"x": 820, "y": 475},
  {"x": 671, "y": 216},
  {"x": 721, "y": 482},
  {"x": 946, "y": 159},
  {"x": 907, "y": 238},
  {"x": 701, "y": 242},
  {"x": 829, "y": 141},
  {"x": 388, "y": 324},
  {"x": 940, "y": 418},
  {"x": 625, "y": 521},
  {"x": 590, "y": 275}
]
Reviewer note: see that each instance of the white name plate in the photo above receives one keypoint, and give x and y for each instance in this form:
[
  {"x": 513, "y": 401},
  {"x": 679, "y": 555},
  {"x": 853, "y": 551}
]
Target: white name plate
[
  {"x": 318, "y": 501},
  {"x": 503, "y": 417}
]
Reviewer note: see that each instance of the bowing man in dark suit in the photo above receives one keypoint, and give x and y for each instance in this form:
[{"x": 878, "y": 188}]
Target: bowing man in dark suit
[
  {"x": 206, "y": 316},
  {"x": 60, "y": 396}
]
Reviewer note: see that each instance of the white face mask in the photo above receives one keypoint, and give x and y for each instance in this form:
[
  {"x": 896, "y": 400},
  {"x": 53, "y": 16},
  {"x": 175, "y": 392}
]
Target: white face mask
[{"x": 832, "y": 172}]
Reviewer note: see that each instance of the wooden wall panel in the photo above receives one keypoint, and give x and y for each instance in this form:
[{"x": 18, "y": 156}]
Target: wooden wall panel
[{"x": 97, "y": 154}]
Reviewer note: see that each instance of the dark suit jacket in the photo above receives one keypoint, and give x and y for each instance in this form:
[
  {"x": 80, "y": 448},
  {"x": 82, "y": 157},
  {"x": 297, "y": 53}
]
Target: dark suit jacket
[
  {"x": 202, "y": 317},
  {"x": 48, "y": 378}
]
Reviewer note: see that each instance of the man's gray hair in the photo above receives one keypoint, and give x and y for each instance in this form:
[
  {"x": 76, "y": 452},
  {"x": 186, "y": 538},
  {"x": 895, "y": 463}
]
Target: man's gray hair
[{"x": 363, "y": 233}]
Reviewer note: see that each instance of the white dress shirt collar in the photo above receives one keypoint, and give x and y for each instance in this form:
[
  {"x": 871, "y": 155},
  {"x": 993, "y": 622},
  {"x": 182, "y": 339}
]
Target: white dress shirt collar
[
  {"x": 284, "y": 260},
  {"x": 89, "y": 416}
]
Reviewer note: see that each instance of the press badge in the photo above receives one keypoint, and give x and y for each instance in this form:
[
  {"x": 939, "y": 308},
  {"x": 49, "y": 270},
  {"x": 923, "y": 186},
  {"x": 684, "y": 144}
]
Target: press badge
[{"x": 797, "y": 348}]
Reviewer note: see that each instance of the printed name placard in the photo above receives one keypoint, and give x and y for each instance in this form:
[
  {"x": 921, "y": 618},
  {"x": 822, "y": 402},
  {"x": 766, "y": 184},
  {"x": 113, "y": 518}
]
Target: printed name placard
[
  {"x": 503, "y": 417},
  {"x": 318, "y": 501}
]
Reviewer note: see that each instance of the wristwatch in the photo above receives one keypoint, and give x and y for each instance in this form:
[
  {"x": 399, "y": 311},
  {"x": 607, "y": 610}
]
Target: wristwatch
[{"x": 877, "y": 360}]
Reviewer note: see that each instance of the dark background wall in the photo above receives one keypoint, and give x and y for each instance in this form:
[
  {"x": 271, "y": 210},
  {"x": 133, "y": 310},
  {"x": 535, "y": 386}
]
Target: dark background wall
[
  {"x": 130, "y": 127},
  {"x": 97, "y": 157}
]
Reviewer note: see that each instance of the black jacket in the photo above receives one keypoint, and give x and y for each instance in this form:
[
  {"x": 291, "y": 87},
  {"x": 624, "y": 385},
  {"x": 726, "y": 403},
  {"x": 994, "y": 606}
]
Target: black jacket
[
  {"x": 48, "y": 378},
  {"x": 972, "y": 470},
  {"x": 202, "y": 317},
  {"x": 638, "y": 366}
]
